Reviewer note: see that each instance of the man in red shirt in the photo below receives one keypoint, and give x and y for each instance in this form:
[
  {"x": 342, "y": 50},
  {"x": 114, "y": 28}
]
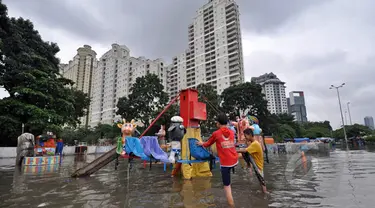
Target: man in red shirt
[{"x": 224, "y": 139}]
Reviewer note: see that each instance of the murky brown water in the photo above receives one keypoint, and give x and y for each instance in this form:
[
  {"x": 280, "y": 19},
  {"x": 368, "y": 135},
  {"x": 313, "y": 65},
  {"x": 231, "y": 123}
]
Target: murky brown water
[{"x": 341, "y": 179}]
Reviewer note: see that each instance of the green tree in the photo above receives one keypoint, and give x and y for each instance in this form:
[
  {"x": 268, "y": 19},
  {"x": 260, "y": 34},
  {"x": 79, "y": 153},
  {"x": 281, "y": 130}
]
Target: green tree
[
  {"x": 248, "y": 95},
  {"x": 165, "y": 119},
  {"x": 352, "y": 131},
  {"x": 29, "y": 71},
  {"x": 107, "y": 131},
  {"x": 146, "y": 100},
  {"x": 284, "y": 131},
  {"x": 207, "y": 94},
  {"x": 317, "y": 132}
]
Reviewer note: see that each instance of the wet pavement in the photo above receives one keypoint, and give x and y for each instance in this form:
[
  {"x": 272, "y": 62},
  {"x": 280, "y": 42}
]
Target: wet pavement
[{"x": 340, "y": 179}]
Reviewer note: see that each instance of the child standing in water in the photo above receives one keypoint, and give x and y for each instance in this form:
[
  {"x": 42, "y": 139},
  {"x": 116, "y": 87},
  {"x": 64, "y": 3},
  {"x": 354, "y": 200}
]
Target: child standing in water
[
  {"x": 256, "y": 153},
  {"x": 224, "y": 139}
]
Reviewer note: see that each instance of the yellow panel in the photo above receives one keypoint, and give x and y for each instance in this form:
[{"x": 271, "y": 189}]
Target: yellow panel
[{"x": 196, "y": 169}]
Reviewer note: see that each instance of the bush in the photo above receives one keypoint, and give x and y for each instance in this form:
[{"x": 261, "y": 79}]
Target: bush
[{"x": 370, "y": 138}]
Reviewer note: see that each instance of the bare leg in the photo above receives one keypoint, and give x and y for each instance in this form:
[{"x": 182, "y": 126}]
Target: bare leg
[
  {"x": 264, "y": 189},
  {"x": 228, "y": 194}
]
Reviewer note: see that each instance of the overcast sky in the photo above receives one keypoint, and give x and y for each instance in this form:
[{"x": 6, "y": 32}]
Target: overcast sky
[{"x": 309, "y": 44}]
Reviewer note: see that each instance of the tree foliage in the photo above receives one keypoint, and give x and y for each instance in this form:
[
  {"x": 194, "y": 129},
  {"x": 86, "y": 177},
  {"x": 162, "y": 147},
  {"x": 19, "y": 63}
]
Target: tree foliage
[
  {"x": 90, "y": 135},
  {"x": 29, "y": 72},
  {"x": 207, "y": 94},
  {"x": 352, "y": 131},
  {"x": 146, "y": 100},
  {"x": 245, "y": 96}
]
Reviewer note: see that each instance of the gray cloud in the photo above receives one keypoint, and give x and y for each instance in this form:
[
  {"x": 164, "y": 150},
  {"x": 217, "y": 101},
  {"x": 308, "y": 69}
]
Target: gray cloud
[
  {"x": 308, "y": 44},
  {"x": 152, "y": 28}
]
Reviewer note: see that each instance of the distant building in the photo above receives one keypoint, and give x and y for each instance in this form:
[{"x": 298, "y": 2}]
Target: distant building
[
  {"x": 80, "y": 70},
  {"x": 214, "y": 55},
  {"x": 116, "y": 73},
  {"x": 274, "y": 89},
  {"x": 297, "y": 106},
  {"x": 369, "y": 122}
]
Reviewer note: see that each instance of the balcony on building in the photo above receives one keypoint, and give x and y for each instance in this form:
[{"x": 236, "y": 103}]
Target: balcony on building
[
  {"x": 232, "y": 18},
  {"x": 233, "y": 64},
  {"x": 230, "y": 7},
  {"x": 233, "y": 57},
  {"x": 232, "y": 48},
  {"x": 234, "y": 70},
  {"x": 209, "y": 47}
]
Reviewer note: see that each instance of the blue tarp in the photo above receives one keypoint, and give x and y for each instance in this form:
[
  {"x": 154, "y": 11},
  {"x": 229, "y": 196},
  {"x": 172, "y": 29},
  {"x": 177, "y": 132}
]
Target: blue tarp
[
  {"x": 133, "y": 145},
  {"x": 198, "y": 152},
  {"x": 298, "y": 140},
  {"x": 152, "y": 148}
]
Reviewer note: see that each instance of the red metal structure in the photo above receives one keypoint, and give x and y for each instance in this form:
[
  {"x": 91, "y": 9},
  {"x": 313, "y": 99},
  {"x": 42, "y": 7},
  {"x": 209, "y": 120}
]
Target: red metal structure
[{"x": 191, "y": 110}]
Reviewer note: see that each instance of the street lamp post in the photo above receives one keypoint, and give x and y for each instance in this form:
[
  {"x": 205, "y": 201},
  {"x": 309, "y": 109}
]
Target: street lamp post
[
  {"x": 346, "y": 119},
  {"x": 350, "y": 116},
  {"x": 342, "y": 117}
]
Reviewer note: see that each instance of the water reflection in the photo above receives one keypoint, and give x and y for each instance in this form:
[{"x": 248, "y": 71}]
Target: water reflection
[{"x": 340, "y": 179}]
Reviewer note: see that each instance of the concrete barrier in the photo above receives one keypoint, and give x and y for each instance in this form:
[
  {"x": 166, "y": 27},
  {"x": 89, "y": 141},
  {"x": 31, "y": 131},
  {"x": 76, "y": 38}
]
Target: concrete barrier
[
  {"x": 10, "y": 152},
  {"x": 292, "y": 148},
  {"x": 6, "y": 152}
]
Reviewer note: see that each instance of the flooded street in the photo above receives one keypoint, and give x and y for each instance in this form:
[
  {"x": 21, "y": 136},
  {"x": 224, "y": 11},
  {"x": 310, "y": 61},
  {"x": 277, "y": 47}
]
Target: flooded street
[{"x": 341, "y": 179}]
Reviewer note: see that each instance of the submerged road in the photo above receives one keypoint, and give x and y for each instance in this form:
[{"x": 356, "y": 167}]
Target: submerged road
[{"x": 341, "y": 179}]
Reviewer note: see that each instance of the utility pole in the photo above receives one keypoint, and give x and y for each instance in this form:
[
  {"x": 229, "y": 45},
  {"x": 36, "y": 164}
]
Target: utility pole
[
  {"x": 350, "y": 116},
  {"x": 346, "y": 119},
  {"x": 342, "y": 117}
]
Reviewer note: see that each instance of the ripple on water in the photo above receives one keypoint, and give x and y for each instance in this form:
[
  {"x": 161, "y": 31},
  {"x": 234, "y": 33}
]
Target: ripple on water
[{"x": 343, "y": 179}]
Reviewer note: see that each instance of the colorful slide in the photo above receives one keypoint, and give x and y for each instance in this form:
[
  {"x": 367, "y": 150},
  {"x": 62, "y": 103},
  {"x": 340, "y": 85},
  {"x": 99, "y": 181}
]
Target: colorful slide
[
  {"x": 152, "y": 149},
  {"x": 133, "y": 145}
]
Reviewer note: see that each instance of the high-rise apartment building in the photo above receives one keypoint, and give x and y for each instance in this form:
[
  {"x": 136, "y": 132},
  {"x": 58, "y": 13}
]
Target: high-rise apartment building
[
  {"x": 274, "y": 90},
  {"x": 369, "y": 122},
  {"x": 296, "y": 106},
  {"x": 214, "y": 55},
  {"x": 116, "y": 73},
  {"x": 80, "y": 71}
]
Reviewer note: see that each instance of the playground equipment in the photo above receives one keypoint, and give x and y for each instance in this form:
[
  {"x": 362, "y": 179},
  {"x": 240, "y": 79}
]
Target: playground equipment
[
  {"x": 39, "y": 152},
  {"x": 191, "y": 111},
  {"x": 176, "y": 134}
]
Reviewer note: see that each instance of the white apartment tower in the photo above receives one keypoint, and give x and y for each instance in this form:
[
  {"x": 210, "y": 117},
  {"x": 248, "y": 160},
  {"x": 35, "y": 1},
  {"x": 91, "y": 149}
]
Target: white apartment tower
[
  {"x": 274, "y": 90},
  {"x": 116, "y": 73},
  {"x": 214, "y": 54},
  {"x": 80, "y": 71}
]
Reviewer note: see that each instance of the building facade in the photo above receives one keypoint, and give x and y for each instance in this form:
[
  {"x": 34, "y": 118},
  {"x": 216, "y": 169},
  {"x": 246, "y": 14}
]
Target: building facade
[
  {"x": 80, "y": 70},
  {"x": 297, "y": 106},
  {"x": 214, "y": 55},
  {"x": 369, "y": 122},
  {"x": 274, "y": 91},
  {"x": 117, "y": 72}
]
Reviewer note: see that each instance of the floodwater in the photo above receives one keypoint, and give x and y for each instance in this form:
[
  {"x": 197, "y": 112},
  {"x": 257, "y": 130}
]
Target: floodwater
[{"x": 340, "y": 179}]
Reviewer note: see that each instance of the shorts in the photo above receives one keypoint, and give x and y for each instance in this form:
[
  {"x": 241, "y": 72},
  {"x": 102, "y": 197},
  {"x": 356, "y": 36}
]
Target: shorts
[{"x": 225, "y": 175}]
